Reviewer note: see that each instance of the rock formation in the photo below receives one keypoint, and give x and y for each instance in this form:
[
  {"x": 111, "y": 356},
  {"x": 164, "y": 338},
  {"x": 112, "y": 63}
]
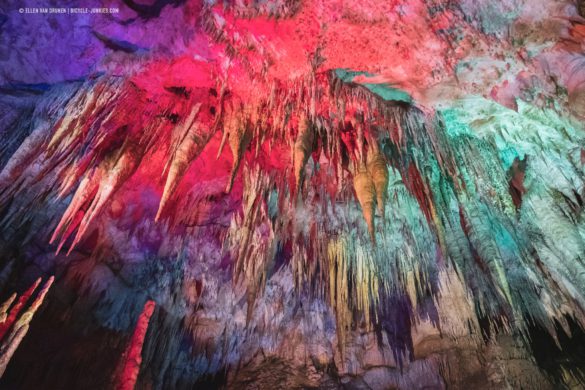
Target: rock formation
[{"x": 400, "y": 205}]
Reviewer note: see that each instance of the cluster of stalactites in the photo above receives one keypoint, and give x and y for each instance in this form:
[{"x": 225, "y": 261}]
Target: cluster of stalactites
[
  {"x": 454, "y": 186},
  {"x": 369, "y": 205},
  {"x": 98, "y": 142},
  {"x": 337, "y": 133},
  {"x": 275, "y": 9}
]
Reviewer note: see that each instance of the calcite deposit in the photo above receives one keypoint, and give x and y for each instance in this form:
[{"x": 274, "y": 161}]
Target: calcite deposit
[{"x": 286, "y": 194}]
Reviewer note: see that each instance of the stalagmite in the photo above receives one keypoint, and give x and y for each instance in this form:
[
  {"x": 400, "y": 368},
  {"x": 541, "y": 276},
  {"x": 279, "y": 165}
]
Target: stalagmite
[
  {"x": 132, "y": 358},
  {"x": 365, "y": 191},
  {"x": 6, "y": 325},
  {"x": 10, "y": 345},
  {"x": 5, "y": 306},
  {"x": 11, "y": 342}
]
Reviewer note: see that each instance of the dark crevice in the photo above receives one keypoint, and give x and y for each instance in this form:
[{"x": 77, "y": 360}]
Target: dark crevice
[
  {"x": 516, "y": 175},
  {"x": 568, "y": 356}
]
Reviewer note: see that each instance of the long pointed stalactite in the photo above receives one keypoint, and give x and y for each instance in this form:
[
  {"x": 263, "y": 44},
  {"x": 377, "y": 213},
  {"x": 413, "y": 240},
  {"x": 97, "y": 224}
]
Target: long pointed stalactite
[{"x": 324, "y": 195}]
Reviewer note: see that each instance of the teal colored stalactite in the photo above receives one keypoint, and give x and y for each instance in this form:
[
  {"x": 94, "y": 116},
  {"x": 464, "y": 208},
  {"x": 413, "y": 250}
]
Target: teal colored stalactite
[
  {"x": 385, "y": 91},
  {"x": 497, "y": 250},
  {"x": 513, "y": 243}
]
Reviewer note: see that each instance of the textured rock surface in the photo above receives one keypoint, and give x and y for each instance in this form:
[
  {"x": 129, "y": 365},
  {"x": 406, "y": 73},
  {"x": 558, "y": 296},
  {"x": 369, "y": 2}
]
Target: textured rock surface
[{"x": 320, "y": 194}]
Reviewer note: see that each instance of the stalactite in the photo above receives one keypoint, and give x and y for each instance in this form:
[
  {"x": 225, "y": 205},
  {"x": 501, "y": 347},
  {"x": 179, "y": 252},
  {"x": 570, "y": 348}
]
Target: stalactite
[
  {"x": 378, "y": 170},
  {"x": 238, "y": 134},
  {"x": 302, "y": 149},
  {"x": 107, "y": 178},
  {"x": 365, "y": 191},
  {"x": 192, "y": 138}
]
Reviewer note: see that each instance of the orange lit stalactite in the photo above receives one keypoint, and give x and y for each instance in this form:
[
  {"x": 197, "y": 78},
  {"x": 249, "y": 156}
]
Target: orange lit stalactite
[{"x": 133, "y": 355}]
